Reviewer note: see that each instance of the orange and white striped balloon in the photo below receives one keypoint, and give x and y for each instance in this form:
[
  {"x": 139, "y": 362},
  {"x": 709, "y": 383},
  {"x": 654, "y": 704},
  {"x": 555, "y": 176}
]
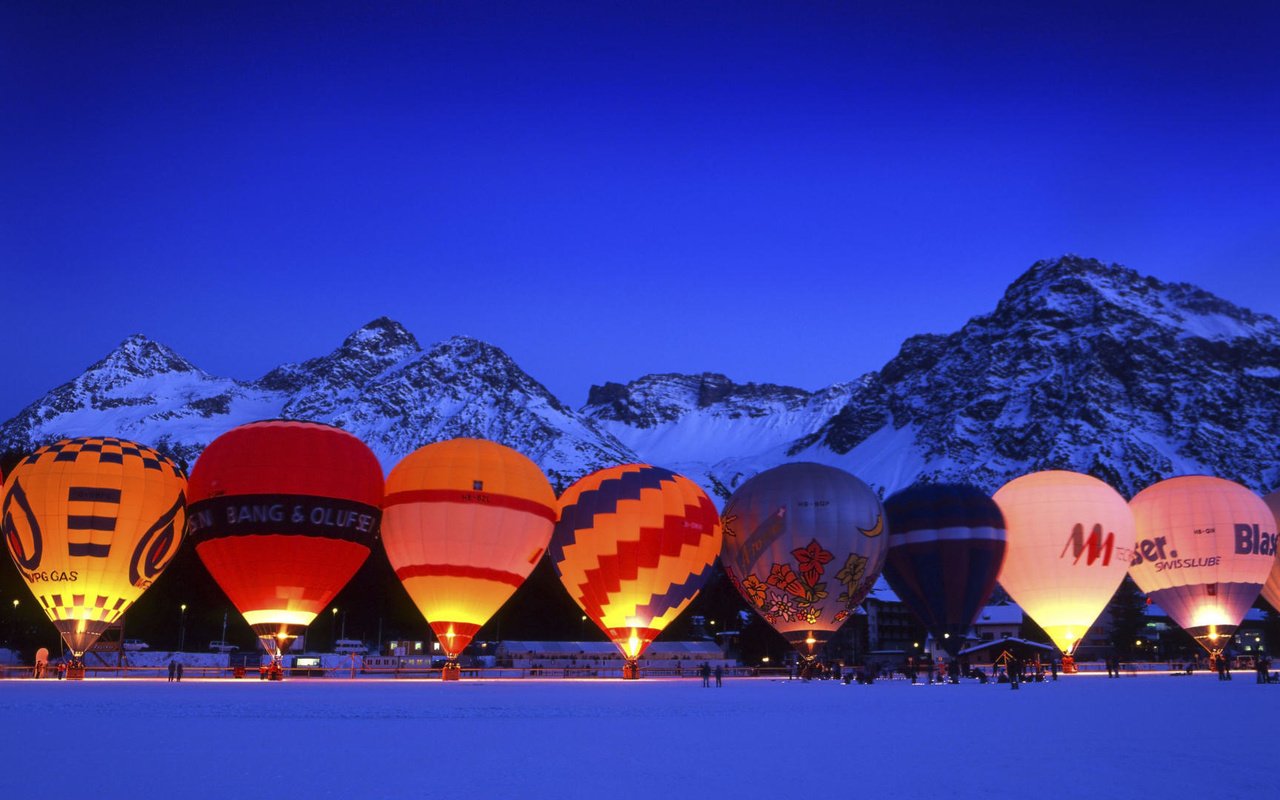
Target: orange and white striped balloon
[{"x": 464, "y": 523}]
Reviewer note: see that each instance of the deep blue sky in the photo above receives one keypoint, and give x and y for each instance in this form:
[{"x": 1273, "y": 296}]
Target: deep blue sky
[{"x": 778, "y": 191}]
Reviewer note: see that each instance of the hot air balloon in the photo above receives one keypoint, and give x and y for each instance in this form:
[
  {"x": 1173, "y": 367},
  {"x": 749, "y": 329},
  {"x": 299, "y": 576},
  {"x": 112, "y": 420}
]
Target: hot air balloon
[
  {"x": 1070, "y": 537},
  {"x": 91, "y": 523},
  {"x": 464, "y": 523},
  {"x": 633, "y": 546},
  {"x": 804, "y": 543},
  {"x": 282, "y": 515},
  {"x": 1271, "y": 589},
  {"x": 1205, "y": 547},
  {"x": 946, "y": 545}
]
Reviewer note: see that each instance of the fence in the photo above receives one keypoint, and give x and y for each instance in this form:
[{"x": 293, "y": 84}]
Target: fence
[
  {"x": 424, "y": 672},
  {"x": 393, "y": 673}
]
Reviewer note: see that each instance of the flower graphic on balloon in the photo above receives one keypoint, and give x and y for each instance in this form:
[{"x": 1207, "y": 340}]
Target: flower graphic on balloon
[
  {"x": 812, "y": 560},
  {"x": 755, "y": 590},
  {"x": 784, "y": 577},
  {"x": 851, "y": 576},
  {"x": 781, "y": 607}
]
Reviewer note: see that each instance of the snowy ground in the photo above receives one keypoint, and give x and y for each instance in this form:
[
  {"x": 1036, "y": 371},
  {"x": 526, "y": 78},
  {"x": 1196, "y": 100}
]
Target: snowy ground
[{"x": 1154, "y": 736}]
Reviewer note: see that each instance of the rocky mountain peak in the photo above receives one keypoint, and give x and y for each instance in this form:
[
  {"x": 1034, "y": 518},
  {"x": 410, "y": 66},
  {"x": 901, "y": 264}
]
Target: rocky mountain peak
[
  {"x": 382, "y": 339},
  {"x": 1083, "y": 366},
  {"x": 367, "y": 352},
  {"x": 486, "y": 364},
  {"x": 467, "y": 350},
  {"x": 1069, "y": 292},
  {"x": 655, "y": 399},
  {"x": 138, "y": 356}
]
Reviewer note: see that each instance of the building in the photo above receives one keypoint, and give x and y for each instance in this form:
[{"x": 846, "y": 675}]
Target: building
[
  {"x": 994, "y": 623},
  {"x": 588, "y": 656}
]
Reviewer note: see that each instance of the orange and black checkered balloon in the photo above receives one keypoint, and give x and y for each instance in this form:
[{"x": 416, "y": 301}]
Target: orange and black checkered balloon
[{"x": 91, "y": 523}]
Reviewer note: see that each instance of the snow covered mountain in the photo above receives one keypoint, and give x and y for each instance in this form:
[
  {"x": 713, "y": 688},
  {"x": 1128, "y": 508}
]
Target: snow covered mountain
[
  {"x": 379, "y": 384},
  {"x": 710, "y": 428},
  {"x": 1081, "y": 365}
]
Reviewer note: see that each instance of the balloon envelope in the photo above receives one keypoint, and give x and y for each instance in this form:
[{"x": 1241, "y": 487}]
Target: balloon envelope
[
  {"x": 464, "y": 523},
  {"x": 282, "y": 515},
  {"x": 1070, "y": 537},
  {"x": 633, "y": 547},
  {"x": 946, "y": 545},
  {"x": 91, "y": 523},
  {"x": 1205, "y": 548},
  {"x": 1271, "y": 589},
  {"x": 804, "y": 543}
]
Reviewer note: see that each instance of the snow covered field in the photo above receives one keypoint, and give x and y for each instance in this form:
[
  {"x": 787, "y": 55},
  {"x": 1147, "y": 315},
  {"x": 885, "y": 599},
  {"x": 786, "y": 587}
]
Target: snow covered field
[{"x": 1156, "y": 736}]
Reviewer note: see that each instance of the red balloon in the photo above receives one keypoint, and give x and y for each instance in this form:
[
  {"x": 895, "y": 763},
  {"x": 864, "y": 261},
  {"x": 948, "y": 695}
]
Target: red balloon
[{"x": 283, "y": 514}]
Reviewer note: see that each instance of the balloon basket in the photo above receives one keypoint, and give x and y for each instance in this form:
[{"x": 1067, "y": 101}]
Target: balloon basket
[
  {"x": 1069, "y": 665},
  {"x": 451, "y": 671},
  {"x": 630, "y": 671},
  {"x": 75, "y": 672}
]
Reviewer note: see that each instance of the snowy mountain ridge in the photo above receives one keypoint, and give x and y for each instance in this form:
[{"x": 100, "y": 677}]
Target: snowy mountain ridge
[
  {"x": 1081, "y": 365},
  {"x": 379, "y": 384}
]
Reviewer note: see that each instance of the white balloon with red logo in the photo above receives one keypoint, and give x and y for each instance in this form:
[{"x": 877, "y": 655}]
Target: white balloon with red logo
[{"x": 1068, "y": 543}]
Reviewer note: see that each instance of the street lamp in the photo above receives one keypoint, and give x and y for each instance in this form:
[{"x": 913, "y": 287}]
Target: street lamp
[
  {"x": 182, "y": 627},
  {"x": 582, "y": 628},
  {"x": 13, "y": 633},
  {"x": 333, "y": 625}
]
